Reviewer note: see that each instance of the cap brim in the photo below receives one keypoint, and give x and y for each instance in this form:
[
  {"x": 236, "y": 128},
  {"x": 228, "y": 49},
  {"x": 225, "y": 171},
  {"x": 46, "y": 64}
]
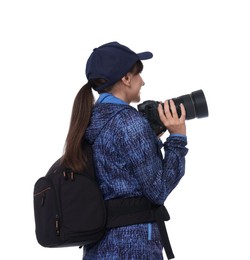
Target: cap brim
[{"x": 145, "y": 55}]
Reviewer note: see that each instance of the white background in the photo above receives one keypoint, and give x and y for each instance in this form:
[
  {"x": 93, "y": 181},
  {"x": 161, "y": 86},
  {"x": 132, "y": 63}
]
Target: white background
[{"x": 196, "y": 44}]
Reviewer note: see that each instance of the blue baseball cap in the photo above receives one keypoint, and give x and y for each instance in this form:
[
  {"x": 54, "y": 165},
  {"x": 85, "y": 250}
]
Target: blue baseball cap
[{"x": 111, "y": 62}]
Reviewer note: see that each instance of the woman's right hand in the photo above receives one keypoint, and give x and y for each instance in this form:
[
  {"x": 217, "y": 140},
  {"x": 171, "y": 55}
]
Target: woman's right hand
[{"x": 170, "y": 118}]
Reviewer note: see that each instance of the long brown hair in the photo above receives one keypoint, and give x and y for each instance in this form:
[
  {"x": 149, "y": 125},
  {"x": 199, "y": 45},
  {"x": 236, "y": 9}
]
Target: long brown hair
[{"x": 74, "y": 156}]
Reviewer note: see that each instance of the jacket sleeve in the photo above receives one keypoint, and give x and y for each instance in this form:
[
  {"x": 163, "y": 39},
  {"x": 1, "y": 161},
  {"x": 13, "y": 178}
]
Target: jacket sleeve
[{"x": 157, "y": 173}]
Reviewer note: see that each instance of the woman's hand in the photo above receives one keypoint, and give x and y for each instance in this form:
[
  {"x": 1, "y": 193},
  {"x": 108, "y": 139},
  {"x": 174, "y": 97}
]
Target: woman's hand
[{"x": 170, "y": 118}]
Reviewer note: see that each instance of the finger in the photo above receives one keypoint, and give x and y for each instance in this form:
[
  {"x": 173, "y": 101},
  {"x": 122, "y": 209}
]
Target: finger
[
  {"x": 167, "y": 109},
  {"x": 173, "y": 109},
  {"x": 162, "y": 114},
  {"x": 183, "y": 112},
  {"x": 160, "y": 110}
]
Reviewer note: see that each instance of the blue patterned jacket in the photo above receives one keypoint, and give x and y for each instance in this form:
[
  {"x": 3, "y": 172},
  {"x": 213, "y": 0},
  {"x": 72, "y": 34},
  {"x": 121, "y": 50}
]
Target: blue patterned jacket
[{"x": 129, "y": 162}]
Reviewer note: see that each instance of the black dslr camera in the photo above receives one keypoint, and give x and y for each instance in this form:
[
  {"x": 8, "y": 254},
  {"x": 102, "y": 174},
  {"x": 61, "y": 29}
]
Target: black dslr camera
[{"x": 195, "y": 105}]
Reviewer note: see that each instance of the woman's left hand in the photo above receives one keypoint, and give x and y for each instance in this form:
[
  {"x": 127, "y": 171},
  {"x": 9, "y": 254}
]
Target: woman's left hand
[{"x": 170, "y": 118}]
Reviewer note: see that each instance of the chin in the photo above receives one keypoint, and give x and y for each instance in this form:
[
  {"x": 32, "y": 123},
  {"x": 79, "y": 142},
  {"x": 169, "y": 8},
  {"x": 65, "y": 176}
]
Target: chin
[{"x": 136, "y": 99}]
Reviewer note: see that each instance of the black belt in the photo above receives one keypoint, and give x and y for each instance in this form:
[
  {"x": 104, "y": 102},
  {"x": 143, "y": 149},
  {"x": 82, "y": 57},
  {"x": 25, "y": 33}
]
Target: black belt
[{"x": 138, "y": 210}]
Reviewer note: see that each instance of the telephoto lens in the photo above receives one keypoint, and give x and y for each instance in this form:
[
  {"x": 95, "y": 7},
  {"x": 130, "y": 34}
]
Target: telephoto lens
[{"x": 195, "y": 105}]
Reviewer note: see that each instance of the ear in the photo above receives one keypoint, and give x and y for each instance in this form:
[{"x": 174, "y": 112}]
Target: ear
[{"x": 126, "y": 80}]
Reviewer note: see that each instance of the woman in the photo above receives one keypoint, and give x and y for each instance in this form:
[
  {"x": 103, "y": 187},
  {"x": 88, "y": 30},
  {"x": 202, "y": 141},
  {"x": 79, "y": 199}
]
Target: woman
[{"x": 127, "y": 153}]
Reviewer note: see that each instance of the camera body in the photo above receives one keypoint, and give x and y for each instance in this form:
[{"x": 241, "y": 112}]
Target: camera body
[
  {"x": 195, "y": 105},
  {"x": 149, "y": 110}
]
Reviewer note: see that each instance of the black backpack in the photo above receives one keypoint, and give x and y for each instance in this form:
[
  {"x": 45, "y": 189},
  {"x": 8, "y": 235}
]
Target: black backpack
[{"x": 70, "y": 210}]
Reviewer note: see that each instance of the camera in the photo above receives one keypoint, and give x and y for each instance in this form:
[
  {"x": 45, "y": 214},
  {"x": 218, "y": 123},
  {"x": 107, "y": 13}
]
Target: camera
[{"x": 195, "y": 105}]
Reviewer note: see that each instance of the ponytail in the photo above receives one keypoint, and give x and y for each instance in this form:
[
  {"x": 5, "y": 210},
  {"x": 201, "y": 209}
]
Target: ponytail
[{"x": 74, "y": 156}]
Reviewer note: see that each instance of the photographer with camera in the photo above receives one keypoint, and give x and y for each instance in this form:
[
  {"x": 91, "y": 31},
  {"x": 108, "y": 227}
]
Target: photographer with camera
[{"x": 127, "y": 151}]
